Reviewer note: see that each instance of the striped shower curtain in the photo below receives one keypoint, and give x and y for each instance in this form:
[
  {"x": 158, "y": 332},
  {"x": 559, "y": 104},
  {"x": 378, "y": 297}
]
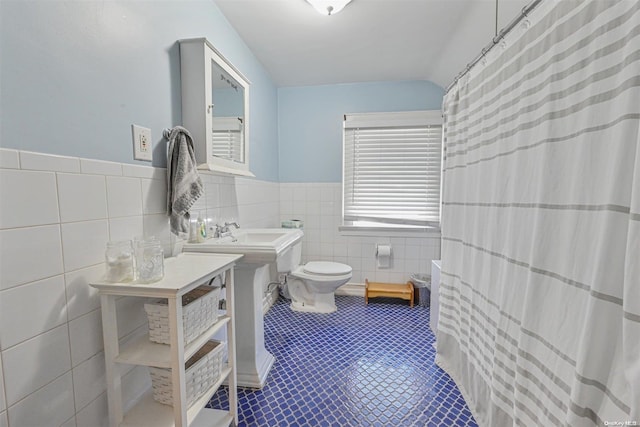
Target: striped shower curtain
[{"x": 540, "y": 293}]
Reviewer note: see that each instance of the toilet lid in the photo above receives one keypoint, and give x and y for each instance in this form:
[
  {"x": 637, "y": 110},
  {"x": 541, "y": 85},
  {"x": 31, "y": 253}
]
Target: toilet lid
[{"x": 327, "y": 268}]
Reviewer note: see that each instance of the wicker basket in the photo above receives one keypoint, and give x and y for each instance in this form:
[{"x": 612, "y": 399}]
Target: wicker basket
[
  {"x": 202, "y": 371},
  {"x": 199, "y": 312}
]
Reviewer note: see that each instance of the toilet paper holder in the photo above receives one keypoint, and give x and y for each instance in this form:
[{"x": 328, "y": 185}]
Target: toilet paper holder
[{"x": 383, "y": 255}]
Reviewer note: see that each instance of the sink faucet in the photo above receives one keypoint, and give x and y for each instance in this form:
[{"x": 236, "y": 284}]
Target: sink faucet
[
  {"x": 228, "y": 224},
  {"x": 223, "y": 230}
]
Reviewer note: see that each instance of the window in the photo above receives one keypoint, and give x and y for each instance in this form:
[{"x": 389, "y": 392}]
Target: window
[{"x": 391, "y": 169}]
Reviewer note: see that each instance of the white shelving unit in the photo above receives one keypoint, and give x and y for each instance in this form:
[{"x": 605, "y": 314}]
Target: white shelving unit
[{"x": 182, "y": 274}]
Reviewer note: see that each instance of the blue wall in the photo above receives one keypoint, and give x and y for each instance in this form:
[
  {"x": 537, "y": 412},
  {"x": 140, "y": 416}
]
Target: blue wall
[
  {"x": 76, "y": 74},
  {"x": 310, "y": 121}
]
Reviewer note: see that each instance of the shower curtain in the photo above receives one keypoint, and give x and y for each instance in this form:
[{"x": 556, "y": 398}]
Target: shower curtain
[{"x": 540, "y": 293}]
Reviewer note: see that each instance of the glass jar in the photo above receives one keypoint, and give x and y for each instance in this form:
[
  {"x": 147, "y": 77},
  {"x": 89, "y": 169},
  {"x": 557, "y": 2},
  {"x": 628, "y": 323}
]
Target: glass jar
[
  {"x": 149, "y": 260},
  {"x": 119, "y": 261}
]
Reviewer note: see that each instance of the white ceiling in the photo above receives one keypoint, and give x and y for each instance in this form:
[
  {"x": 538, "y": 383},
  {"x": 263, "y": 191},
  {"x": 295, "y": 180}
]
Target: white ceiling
[{"x": 370, "y": 40}]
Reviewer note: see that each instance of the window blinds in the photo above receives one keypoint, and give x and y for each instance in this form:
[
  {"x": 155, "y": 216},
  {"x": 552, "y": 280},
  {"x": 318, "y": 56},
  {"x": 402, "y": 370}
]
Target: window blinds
[
  {"x": 392, "y": 166},
  {"x": 226, "y": 138}
]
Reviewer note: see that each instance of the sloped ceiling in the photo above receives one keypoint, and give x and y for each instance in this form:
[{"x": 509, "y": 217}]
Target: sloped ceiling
[{"x": 370, "y": 40}]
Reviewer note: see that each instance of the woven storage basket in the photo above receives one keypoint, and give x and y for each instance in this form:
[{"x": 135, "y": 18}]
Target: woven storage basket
[
  {"x": 199, "y": 312},
  {"x": 202, "y": 370}
]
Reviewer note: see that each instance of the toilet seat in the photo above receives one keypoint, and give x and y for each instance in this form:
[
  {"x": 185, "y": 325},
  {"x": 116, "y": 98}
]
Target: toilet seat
[{"x": 326, "y": 268}]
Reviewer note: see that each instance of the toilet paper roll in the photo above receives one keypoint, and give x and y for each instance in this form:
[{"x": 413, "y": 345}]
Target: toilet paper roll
[{"x": 383, "y": 255}]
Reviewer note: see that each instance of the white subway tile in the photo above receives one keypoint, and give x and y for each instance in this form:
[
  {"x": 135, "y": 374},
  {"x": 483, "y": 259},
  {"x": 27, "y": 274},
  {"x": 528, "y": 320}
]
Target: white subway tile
[
  {"x": 299, "y": 193},
  {"x": 50, "y": 406},
  {"x": 286, "y": 192},
  {"x": 9, "y": 159},
  {"x": 412, "y": 265},
  {"x": 95, "y": 414},
  {"x": 85, "y": 333},
  {"x": 89, "y": 380},
  {"x": 124, "y": 196},
  {"x": 28, "y": 198},
  {"x": 34, "y": 363},
  {"x": 71, "y": 422},
  {"x": 81, "y": 296},
  {"x": 29, "y": 254},
  {"x": 3, "y": 401},
  {"x": 48, "y": 162},
  {"x": 84, "y": 243},
  {"x": 137, "y": 171},
  {"x": 31, "y": 309},
  {"x": 81, "y": 197},
  {"x": 100, "y": 167},
  {"x": 212, "y": 195},
  {"x": 354, "y": 263},
  {"x": 125, "y": 228},
  {"x": 412, "y": 252},
  {"x": 154, "y": 196}
]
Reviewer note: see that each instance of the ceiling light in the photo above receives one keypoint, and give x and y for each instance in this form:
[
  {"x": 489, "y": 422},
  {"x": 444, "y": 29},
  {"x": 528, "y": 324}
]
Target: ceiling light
[{"x": 328, "y": 7}]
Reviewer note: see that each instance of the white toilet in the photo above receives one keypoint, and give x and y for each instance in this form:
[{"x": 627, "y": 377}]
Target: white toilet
[{"x": 312, "y": 286}]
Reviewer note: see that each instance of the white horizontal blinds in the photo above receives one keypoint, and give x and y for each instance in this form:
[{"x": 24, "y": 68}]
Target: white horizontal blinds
[
  {"x": 392, "y": 167},
  {"x": 226, "y": 138}
]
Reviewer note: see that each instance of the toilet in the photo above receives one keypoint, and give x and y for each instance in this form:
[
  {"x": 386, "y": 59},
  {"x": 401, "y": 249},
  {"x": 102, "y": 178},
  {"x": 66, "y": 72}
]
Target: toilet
[{"x": 312, "y": 286}]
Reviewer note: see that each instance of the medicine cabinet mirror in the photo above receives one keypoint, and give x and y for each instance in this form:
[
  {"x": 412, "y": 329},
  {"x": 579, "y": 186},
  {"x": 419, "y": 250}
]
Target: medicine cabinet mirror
[{"x": 215, "y": 108}]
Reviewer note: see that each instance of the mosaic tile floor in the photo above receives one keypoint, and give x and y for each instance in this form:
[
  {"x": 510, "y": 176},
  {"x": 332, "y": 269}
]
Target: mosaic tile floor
[{"x": 367, "y": 366}]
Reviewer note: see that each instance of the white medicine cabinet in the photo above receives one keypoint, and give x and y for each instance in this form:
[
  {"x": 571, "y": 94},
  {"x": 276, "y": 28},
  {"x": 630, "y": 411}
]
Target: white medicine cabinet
[{"x": 215, "y": 108}]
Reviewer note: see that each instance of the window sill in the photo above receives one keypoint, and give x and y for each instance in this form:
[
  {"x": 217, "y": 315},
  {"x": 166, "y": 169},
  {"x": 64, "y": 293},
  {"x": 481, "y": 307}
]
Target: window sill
[{"x": 353, "y": 230}]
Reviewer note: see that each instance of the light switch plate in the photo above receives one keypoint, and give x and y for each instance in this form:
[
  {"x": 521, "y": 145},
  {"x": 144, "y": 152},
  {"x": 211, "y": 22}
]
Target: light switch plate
[{"x": 142, "y": 146}]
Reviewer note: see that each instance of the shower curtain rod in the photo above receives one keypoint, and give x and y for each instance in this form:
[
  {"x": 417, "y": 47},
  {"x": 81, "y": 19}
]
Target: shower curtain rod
[{"x": 525, "y": 11}]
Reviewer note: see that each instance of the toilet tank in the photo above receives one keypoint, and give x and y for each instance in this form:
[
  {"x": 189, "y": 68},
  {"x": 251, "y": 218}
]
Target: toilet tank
[{"x": 289, "y": 259}]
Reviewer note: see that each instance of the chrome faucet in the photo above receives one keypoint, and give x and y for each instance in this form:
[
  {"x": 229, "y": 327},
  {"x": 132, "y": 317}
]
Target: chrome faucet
[
  {"x": 223, "y": 230},
  {"x": 228, "y": 224}
]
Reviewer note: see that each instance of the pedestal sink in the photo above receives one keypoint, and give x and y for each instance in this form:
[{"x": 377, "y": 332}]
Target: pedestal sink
[{"x": 261, "y": 247}]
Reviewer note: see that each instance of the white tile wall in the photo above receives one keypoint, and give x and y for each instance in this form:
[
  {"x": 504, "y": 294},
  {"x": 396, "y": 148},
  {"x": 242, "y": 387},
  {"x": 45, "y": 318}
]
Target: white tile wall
[
  {"x": 48, "y": 162},
  {"x": 319, "y": 206},
  {"x": 55, "y": 220},
  {"x": 82, "y": 298},
  {"x": 47, "y": 309},
  {"x": 52, "y": 246},
  {"x": 100, "y": 167},
  {"x": 82, "y": 197},
  {"x": 29, "y": 254},
  {"x": 85, "y": 334},
  {"x": 89, "y": 379},
  {"x": 83, "y": 243},
  {"x": 34, "y": 363},
  {"x": 9, "y": 159},
  {"x": 51, "y": 405},
  {"x": 28, "y": 198},
  {"x": 3, "y": 402},
  {"x": 124, "y": 196},
  {"x": 95, "y": 414}
]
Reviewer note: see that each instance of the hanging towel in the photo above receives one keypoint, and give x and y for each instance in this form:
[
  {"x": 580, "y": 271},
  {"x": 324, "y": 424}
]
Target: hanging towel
[{"x": 184, "y": 186}]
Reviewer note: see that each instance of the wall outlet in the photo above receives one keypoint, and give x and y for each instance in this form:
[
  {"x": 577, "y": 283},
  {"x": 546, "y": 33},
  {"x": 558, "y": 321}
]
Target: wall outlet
[{"x": 142, "y": 146}]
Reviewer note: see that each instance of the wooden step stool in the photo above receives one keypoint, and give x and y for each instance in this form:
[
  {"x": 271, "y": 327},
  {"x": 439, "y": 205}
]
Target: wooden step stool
[{"x": 391, "y": 290}]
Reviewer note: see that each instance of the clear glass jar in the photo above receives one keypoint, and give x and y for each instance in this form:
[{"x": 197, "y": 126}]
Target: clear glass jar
[
  {"x": 118, "y": 259},
  {"x": 149, "y": 260}
]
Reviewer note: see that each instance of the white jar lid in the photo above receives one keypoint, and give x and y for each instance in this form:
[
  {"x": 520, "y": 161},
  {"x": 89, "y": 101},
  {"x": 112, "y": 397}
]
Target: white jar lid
[{"x": 327, "y": 268}]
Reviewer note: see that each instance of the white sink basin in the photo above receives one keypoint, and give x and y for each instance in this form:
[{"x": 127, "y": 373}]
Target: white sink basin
[
  {"x": 258, "y": 245},
  {"x": 262, "y": 248}
]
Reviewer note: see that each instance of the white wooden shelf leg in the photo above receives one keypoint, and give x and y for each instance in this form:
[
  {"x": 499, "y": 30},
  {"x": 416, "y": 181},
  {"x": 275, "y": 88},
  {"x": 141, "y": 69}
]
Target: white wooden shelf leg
[{"x": 111, "y": 351}]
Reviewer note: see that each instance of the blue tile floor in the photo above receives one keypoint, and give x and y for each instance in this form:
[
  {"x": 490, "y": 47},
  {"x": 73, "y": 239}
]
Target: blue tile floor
[{"x": 364, "y": 365}]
